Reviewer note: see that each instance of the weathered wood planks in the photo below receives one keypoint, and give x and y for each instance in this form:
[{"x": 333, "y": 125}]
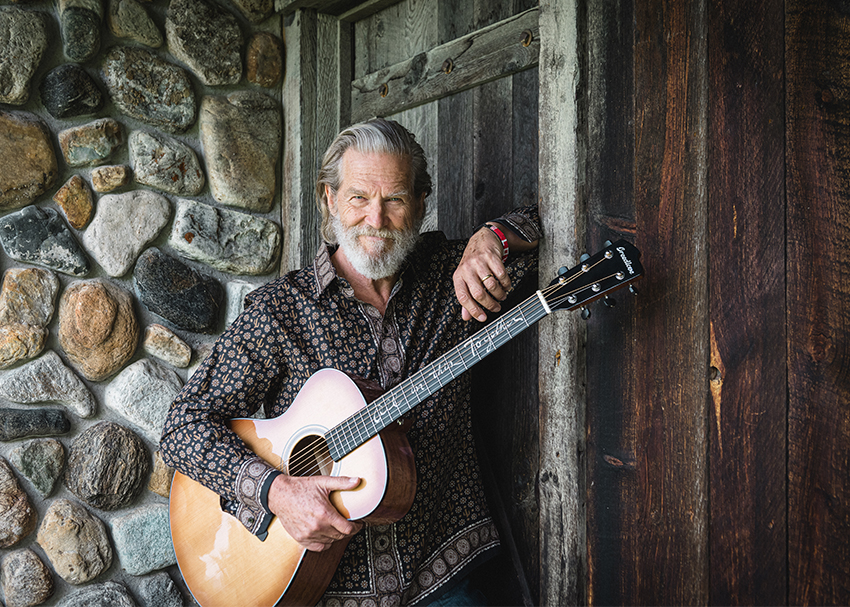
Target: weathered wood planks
[{"x": 817, "y": 46}]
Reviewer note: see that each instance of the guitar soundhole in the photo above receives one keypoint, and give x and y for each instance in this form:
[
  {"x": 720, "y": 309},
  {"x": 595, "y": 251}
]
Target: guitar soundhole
[{"x": 310, "y": 457}]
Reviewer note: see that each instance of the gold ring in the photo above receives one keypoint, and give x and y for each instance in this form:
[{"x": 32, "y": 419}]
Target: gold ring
[{"x": 486, "y": 277}]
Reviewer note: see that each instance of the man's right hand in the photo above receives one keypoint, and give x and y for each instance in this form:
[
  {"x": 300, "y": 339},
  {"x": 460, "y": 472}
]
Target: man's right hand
[{"x": 303, "y": 506}]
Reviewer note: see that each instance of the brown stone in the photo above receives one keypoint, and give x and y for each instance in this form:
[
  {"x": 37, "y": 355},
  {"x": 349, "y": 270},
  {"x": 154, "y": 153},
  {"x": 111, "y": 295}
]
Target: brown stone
[
  {"x": 75, "y": 542},
  {"x": 75, "y": 200},
  {"x": 108, "y": 178},
  {"x": 264, "y": 59},
  {"x": 97, "y": 327},
  {"x": 28, "y": 296},
  {"x": 166, "y": 345},
  {"x": 20, "y": 342},
  {"x": 160, "y": 481},
  {"x": 26, "y": 579},
  {"x": 26, "y": 139},
  {"x": 17, "y": 515}
]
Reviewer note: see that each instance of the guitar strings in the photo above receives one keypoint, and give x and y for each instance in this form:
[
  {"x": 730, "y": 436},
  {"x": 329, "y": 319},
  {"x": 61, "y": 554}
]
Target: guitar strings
[{"x": 310, "y": 461}]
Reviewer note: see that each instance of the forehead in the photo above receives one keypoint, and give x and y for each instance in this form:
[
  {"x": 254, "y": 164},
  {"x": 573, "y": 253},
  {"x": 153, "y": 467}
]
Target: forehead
[{"x": 375, "y": 169}]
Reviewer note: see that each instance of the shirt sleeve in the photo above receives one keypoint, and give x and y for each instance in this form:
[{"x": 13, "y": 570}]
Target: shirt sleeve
[
  {"x": 240, "y": 376},
  {"x": 524, "y": 222}
]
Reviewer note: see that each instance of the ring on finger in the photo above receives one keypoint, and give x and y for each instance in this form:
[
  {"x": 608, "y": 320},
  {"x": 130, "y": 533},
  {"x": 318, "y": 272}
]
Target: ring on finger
[{"x": 486, "y": 277}]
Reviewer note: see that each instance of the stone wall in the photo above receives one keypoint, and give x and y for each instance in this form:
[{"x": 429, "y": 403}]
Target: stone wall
[{"x": 139, "y": 202}]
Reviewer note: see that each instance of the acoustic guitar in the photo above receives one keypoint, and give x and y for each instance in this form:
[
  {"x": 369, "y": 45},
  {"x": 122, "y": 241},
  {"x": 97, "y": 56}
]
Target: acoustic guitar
[{"x": 331, "y": 430}]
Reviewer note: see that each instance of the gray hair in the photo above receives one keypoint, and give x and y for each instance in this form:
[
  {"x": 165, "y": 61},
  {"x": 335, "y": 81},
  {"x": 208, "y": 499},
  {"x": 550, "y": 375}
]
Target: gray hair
[{"x": 378, "y": 135}]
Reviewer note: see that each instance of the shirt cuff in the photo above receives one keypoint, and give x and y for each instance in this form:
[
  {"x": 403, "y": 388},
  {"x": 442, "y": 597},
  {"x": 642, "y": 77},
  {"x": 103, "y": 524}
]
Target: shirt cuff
[{"x": 252, "y": 490}]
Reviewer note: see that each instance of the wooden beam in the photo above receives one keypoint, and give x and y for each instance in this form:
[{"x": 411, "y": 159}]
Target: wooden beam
[
  {"x": 499, "y": 50},
  {"x": 561, "y": 366},
  {"x": 331, "y": 7}
]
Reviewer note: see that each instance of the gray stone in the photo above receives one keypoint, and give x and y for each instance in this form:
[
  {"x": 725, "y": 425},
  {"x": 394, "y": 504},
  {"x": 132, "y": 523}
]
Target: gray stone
[
  {"x": 162, "y": 343},
  {"x": 26, "y": 579},
  {"x": 48, "y": 380},
  {"x": 28, "y": 296},
  {"x": 255, "y": 10},
  {"x": 159, "y": 590},
  {"x": 20, "y": 342},
  {"x": 18, "y": 518},
  {"x": 177, "y": 293},
  {"x": 241, "y": 140},
  {"x": 80, "y": 33},
  {"x": 165, "y": 163},
  {"x": 69, "y": 91},
  {"x": 149, "y": 88},
  {"x": 129, "y": 19},
  {"x": 264, "y": 60},
  {"x": 97, "y": 327},
  {"x": 207, "y": 39},
  {"x": 42, "y": 461},
  {"x": 108, "y": 594},
  {"x": 107, "y": 466},
  {"x": 75, "y": 200},
  {"x": 92, "y": 143},
  {"x": 24, "y": 36},
  {"x": 108, "y": 178},
  {"x": 229, "y": 241},
  {"x": 156, "y": 551},
  {"x": 75, "y": 542},
  {"x": 142, "y": 393},
  {"x": 236, "y": 292},
  {"x": 25, "y": 423},
  {"x": 38, "y": 235},
  {"x": 26, "y": 138},
  {"x": 123, "y": 226}
]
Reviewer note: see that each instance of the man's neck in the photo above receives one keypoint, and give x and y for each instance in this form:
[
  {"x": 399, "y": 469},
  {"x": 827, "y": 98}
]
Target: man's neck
[{"x": 375, "y": 292}]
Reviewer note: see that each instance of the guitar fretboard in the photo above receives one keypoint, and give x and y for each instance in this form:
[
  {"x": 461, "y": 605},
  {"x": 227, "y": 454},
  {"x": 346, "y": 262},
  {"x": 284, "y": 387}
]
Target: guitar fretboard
[{"x": 391, "y": 406}]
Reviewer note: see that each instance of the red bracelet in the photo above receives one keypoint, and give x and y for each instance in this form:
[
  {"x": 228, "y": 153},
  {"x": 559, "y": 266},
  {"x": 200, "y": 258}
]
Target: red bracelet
[{"x": 501, "y": 235}]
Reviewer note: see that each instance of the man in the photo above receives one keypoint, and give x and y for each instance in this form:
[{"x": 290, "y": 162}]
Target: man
[{"x": 379, "y": 302}]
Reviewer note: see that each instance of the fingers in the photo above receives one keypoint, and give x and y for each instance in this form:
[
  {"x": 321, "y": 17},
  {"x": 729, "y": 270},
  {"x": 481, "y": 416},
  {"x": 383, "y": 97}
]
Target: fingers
[{"x": 479, "y": 288}]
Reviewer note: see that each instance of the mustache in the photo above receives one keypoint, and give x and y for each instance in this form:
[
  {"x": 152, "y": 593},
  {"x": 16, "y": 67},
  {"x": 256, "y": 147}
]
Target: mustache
[{"x": 370, "y": 231}]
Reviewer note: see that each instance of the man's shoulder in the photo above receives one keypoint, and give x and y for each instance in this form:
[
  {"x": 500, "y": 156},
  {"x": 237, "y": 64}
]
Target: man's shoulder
[{"x": 297, "y": 282}]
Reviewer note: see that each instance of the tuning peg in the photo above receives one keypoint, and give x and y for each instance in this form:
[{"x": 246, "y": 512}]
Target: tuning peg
[
  {"x": 609, "y": 301},
  {"x": 585, "y": 313},
  {"x": 563, "y": 270},
  {"x": 584, "y": 257},
  {"x": 608, "y": 243},
  {"x": 633, "y": 290}
]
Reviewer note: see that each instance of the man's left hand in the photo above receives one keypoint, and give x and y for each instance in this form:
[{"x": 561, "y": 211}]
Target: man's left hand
[{"x": 481, "y": 281}]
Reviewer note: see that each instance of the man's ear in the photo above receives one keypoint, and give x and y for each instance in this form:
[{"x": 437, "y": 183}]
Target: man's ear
[{"x": 331, "y": 198}]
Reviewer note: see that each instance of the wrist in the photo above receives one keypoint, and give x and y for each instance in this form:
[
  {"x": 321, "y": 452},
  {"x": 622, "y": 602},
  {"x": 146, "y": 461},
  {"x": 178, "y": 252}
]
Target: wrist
[{"x": 503, "y": 240}]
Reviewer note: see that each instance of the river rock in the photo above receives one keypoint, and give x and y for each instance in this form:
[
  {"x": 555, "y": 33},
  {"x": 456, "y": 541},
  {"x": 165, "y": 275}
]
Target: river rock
[
  {"x": 20, "y": 342},
  {"x": 97, "y": 327},
  {"x": 142, "y": 393},
  {"x": 28, "y": 296},
  {"x": 264, "y": 59},
  {"x": 176, "y": 292},
  {"x": 156, "y": 552},
  {"x": 255, "y": 11},
  {"x": 26, "y": 579},
  {"x": 108, "y": 178},
  {"x": 108, "y": 594},
  {"x": 69, "y": 91},
  {"x": 48, "y": 380},
  {"x": 26, "y": 423},
  {"x": 75, "y": 200},
  {"x": 24, "y": 36},
  {"x": 17, "y": 515},
  {"x": 39, "y": 235},
  {"x": 129, "y": 19},
  {"x": 166, "y": 164},
  {"x": 42, "y": 461},
  {"x": 107, "y": 466},
  {"x": 241, "y": 140},
  {"x": 79, "y": 21},
  {"x": 164, "y": 344},
  {"x": 26, "y": 138},
  {"x": 92, "y": 143},
  {"x": 161, "y": 475},
  {"x": 123, "y": 226},
  {"x": 226, "y": 240},
  {"x": 236, "y": 292},
  {"x": 75, "y": 542},
  {"x": 150, "y": 89},
  {"x": 159, "y": 590},
  {"x": 207, "y": 39}
]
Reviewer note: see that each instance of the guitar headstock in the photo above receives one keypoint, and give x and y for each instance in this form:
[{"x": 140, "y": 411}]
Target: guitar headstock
[{"x": 612, "y": 268}]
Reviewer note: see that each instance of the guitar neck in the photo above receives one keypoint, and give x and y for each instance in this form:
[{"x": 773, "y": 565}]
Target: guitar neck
[{"x": 391, "y": 406}]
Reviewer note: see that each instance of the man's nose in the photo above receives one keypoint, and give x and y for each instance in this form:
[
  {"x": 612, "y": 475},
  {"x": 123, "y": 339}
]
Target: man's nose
[{"x": 376, "y": 214}]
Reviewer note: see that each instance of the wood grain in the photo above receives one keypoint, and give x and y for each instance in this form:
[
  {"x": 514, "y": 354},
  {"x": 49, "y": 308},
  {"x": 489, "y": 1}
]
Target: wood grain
[{"x": 817, "y": 46}]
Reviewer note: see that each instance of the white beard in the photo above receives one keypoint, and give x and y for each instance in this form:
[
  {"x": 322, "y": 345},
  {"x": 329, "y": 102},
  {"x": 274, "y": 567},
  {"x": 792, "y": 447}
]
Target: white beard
[{"x": 387, "y": 263}]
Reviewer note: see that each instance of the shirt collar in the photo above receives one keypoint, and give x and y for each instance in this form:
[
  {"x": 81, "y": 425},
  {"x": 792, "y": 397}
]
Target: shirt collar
[{"x": 325, "y": 273}]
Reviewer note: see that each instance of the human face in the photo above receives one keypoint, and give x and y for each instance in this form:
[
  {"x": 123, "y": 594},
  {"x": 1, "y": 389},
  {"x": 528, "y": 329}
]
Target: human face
[{"x": 375, "y": 215}]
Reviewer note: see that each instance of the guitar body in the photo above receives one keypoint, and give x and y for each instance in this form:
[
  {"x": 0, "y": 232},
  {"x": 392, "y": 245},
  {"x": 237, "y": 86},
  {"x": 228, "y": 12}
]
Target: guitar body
[{"x": 225, "y": 565}]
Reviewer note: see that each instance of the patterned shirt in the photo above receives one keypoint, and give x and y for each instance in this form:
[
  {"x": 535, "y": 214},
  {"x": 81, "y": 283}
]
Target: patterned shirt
[{"x": 308, "y": 320}]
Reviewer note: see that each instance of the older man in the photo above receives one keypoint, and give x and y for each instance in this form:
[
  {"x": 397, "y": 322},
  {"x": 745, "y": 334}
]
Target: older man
[{"x": 379, "y": 302}]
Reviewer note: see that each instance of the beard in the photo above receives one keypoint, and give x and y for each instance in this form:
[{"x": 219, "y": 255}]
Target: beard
[{"x": 388, "y": 261}]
